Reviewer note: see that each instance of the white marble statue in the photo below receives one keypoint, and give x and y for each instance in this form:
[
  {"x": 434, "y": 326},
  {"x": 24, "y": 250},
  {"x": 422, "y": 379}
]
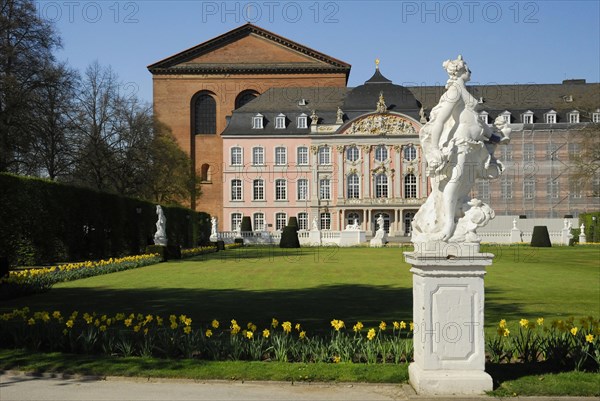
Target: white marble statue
[
  {"x": 315, "y": 224},
  {"x": 459, "y": 148},
  {"x": 515, "y": 224},
  {"x": 160, "y": 238},
  {"x": 214, "y": 229},
  {"x": 354, "y": 226},
  {"x": 238, "y": 230}
]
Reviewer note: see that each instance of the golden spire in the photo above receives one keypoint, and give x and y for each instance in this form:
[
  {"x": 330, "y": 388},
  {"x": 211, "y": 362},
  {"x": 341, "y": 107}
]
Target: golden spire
[{"x": 377, "y": 63}]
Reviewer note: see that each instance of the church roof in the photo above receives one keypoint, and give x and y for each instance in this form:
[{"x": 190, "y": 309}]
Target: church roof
[{"x": 293, "y": 57}]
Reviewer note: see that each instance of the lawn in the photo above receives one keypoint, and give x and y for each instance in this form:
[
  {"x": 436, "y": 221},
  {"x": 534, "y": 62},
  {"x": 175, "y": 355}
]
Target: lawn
[{"x": 314, "y": 285}]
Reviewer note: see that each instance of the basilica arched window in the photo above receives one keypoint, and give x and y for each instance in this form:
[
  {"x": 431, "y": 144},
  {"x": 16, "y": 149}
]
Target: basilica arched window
[
  {"x": 245, "y": 97},
  {"x": 204, "y": 114}
]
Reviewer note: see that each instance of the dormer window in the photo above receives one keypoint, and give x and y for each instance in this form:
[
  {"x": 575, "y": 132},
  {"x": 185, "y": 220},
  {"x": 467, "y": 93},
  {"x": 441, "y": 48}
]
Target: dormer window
[
  {"x": 506, "y": 116},
  {"x": 257, "y": 121},
  {"x": 574, "y": 117},
  {"x": 302, "y": 121},
  {"x": 528, "y": 117},
  {"x": 596, "y": 116},
  {"x": 550, "y": 117},
  {"x": 280, "y": 121},
  {"x": 483, "y": 116}
]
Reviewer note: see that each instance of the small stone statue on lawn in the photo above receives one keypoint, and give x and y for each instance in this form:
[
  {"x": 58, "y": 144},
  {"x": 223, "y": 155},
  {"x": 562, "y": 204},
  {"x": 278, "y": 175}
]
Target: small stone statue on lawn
[{"x": 160, "y": 238}]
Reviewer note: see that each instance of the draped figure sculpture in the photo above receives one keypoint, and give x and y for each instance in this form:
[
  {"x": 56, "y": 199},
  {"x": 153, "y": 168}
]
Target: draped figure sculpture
[
  {"x": 160, "y": 237},
  {"x": 459, "y": 148}
]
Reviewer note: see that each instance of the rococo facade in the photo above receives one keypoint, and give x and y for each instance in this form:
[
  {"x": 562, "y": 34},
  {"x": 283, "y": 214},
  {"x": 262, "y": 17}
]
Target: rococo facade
[{"x": 274, "y": 132}]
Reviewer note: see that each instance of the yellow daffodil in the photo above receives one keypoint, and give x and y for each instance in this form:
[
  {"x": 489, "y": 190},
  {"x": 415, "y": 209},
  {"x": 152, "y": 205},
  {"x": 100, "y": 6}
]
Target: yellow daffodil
[
  {"x": 589, "y": 338},
  {"x": 31, "y": 322},
  {"x": 412, "y": 326},
  {"x": 403, "y": 325},
  {"x": 127, "y": 322},
  {"x": 357, "y": 327},
  {"x": 187, "y": 329},
  {"x": 266, "y": 333},
  {"x": 382, "y": 326},
  {"x": 136, "y": 328},
  {"x": 249, "y": 335},
  {"x": 302, "y": 335},
  {"x": 208, "y": 333},
  {"x": 102, "y": 328},
  {"x": 396, "y": 325},
  {"x": 215, "y": 324},
  {"x": 371, "y": 334},
  {"x": 69, "y": 323},
  {"x": 524, "y": 322},
  {"x": 574, "y": 331},
  {"x": 502, "y": 323},
  {"x": 506, "y": 332},
  {"x": 540, "y": 321},
  {"x": 297, "y": 326},
  {"x": 336, "y": 359},
  {"x": 337, "y": 324},
  {"x": 274, "y": 323},
  {"x": 286, "y": 326}
]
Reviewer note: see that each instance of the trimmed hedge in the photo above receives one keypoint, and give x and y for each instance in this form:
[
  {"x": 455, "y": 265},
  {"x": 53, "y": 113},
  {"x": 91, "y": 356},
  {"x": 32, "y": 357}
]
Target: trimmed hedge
[
  {"x": 45, "y": 222},
  {"x": 246, "y": 224},
  {"x": 289, "y": 236},
  {"x": 540, "y": 237}
]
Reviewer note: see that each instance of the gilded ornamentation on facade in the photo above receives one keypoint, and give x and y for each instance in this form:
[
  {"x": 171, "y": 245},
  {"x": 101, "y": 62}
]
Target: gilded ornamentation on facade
[{"x": 382, "y": 124}]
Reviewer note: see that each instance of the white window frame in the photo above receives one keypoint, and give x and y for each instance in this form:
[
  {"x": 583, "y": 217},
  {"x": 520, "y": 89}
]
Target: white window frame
[
  {"x": 550, "y": 117},
  {"x": 528, "y": 152},
  {"x": 381, "y": 153},
  {"x": 325, "y": 189},
  {"x": 257, "y": 121},
  {"x": 258, "y": 189},
  {"x": 237, "y": 190},
  {"x": 302, "y": 221},
  {"x": 409, "y": 153},
  {"x": 302, "y": 156},
  {"x": 280, "y": 220},
  {"x": 484, "y": 117},
  {"x": 280, "y": 155},
  {"x": 258, "y": 156},
  {"x": 302, "y": 121},
  {"x": 553, "y": 187},
  {"x": 258, "y": 220},
  {"x": 574, "y": 117},
  {"x": 596, "y": 117},
  {"x": 506, "y": 153},
  {"x": 234, "y": 220},
  {"x": 352, "y": 153},
  {"x": 302, "y": 189},
  {"x": 527, "y": 117},
  {"x": 324, "y": 154},
  {"x": 529, "y": 188},
  {"x": 353, "y": 188},
  {"x": 506, "y": 188},
  {"x": 237, "y": 156},
  {"x": 280, "y": 189},
  {"x": 410, "y": 188},
  {"x": 280, "y": 121},
  {"x": 382, "y": 189},
  {"x": 506, "y": 116},
  {"x": 325, "y": 221},
  {"x": 483, "y": 189}
]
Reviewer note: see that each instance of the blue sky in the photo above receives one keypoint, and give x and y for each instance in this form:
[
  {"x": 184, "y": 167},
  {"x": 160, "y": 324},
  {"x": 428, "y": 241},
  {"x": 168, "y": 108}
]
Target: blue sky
[{"x": 503, "y": 41}]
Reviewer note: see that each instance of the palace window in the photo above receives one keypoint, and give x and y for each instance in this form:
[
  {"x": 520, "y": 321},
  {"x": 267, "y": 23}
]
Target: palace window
[
  {"x": 236, "y": 156},
  {"x": 552, "y": 184},
  {"x": 280, "y": 220},
  {"x": 529, "y": 188},
  {"x": 257, "y": 121},
  {"x": 352, "y": 153},
  {"x": 596, "y": 117},
  {"x": 483, "y": 189},
  {"x": 280, "y": 156},
  {"x": 550, "y": 117},
  {"x": 351, "y": 217},
  {"x": 324, "y": 156},
  {"x": 258, "y": 156},
  {"x": 506, "y": 188},
  {"x": 528, "y": 117},
  {"x": 280, "y": 189},
  {"x": 410, "y": 186},
  {"x": 575, "y": 188},
  {"x": 205, "y": 114},
  {"x": 381, "y": 153},
  {"x": 551, "y": 151},
  {"x": 574, "y": 150},
  {"x": 302, "y": 156},
  {"x": 236, "y": 190},
  {"x": 528, "y": 152},
  {"x": 259, "y": 221},
  {"x": 280, "y": 121},
  {"x": 325, "y": 189},
  {"x": 381, "y": 186},
  {"x": 506, "y": 116},
  {"x": 302, "y": 221},
  {"x": 326, "y": 221},
  {"x": 302, "y": 189},
  {"x": 258, "y": 190},
  {"x": 483, "y": 116},
  {"x": 353, "y": 186},
  {"x": 302, "y": 121},
  {"x": 410, "y": 153},
  {"x": 236, "y": 220},
  {"x": 506, "y": 153},
  {"x": 574, "y": 117}
]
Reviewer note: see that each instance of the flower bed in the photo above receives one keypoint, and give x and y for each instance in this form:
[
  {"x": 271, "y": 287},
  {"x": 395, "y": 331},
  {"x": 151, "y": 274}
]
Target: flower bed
[
  {"x": 24, "y": 282},
  {"x": 564, "y": 343}
]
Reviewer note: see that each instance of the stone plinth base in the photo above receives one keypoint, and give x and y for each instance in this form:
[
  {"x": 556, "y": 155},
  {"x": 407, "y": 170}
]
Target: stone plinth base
[
  {"x": 379, "y": 240},
  {"x": 314, "y": 238},
  {"x": 352, "y": 238},
  {"x": 448, "y": 382}
]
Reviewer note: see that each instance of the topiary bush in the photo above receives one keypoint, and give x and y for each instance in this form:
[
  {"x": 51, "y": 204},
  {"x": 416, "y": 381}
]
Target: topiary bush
[
  {"x": 540, "y": 237},
  {"x": 246, "y": 224},
  {"x": 289, "y": 236}
]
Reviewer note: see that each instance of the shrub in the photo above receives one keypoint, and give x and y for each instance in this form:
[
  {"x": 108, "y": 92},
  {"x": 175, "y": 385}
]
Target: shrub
[
  {"x": 540, "y": 237},
  {"x": 289, "y": 236},
  {"x": 246, "y": 223},
  {"x": 238, "y": 241}
]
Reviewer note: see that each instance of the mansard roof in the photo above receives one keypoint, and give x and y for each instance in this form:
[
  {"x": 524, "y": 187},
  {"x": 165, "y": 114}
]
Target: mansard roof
[{"x": 293, "y": 57}]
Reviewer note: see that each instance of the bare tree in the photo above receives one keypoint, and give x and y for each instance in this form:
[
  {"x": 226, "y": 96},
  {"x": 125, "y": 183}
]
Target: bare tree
[{"x": 26, "y": 46}]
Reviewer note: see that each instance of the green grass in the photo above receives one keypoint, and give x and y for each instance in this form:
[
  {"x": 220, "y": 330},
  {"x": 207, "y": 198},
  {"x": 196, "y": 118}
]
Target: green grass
[
  {"x": 315, "y": 285},
  {"x": 97, "y": 365}
]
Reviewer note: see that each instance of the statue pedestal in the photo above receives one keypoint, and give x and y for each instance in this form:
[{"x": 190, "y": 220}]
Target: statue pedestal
[
  {"x": 314, "y": 237},
  {"x": 448, "y": 302},
  {"x": 379, "y": 240}
]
